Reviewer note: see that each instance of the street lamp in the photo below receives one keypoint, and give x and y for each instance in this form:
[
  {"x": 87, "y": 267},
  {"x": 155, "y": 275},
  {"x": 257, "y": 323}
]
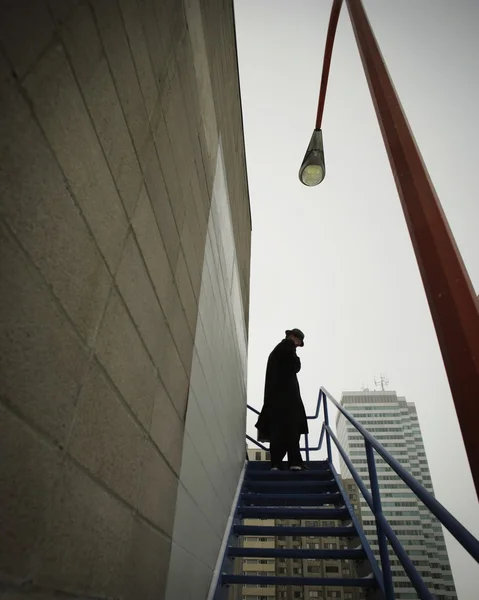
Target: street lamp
[
  {"x": 312, "y": 169},
  {"x": 451, "y": 297}
]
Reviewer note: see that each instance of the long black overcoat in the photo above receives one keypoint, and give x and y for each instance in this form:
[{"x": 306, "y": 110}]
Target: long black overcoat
[{"x": 282, "y": 398}]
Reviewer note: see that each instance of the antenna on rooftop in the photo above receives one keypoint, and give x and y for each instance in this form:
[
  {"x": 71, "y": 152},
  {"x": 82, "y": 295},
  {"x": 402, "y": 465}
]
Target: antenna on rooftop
[{"x": 382, "y": 383}]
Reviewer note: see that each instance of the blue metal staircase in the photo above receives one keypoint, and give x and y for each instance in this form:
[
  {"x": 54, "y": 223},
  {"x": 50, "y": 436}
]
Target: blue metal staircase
[
  {"x": 319, "y": 494},
  {"x": 313, "y": 494}
]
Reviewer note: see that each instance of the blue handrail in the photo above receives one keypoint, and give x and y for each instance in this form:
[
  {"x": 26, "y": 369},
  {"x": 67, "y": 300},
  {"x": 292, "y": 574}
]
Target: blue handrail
[{"x": 373, "y": 498}]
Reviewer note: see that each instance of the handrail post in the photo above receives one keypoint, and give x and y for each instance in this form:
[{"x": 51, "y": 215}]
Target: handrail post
[
  {"x": 382, "y": 541},
  {"x": 306, "y": 444},
  {"x": 326, "y": 420}
]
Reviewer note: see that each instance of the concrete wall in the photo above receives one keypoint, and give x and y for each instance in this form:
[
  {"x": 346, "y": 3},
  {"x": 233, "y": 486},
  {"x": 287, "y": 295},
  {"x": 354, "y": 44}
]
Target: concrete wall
[
  {"x": 120, "y": 128},
  {"x": 214, "y": 448}
]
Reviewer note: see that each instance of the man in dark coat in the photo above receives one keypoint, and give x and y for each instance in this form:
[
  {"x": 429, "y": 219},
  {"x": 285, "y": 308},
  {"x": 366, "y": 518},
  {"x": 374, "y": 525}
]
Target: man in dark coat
[{"x": 283, "y": 418}]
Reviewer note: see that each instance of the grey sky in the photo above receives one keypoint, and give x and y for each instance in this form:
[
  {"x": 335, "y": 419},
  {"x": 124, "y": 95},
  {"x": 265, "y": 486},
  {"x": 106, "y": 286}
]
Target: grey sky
[{"x": 336, "y": 260}]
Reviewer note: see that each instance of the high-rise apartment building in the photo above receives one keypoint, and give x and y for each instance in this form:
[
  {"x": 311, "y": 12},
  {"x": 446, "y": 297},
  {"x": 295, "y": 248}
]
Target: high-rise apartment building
[
  {"x": 297, "y": 567},
  {"x": 394, "y": 423}
]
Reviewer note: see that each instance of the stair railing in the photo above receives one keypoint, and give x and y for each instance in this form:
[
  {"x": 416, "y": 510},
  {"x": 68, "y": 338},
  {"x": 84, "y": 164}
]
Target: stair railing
[{"x": 384, "y": 530}]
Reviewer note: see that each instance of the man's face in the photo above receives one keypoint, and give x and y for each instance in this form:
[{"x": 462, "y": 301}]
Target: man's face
[{"x": 296, "y": 340}]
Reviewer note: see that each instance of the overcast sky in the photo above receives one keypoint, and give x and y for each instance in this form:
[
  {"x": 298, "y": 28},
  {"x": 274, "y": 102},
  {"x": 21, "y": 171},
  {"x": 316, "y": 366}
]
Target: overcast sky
[{"x": 336, "y": 260}]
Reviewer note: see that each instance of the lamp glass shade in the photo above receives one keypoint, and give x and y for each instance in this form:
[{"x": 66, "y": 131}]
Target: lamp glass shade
[
  {"x": 313, "y": 170},
  {"x": 312, "y": 175}
]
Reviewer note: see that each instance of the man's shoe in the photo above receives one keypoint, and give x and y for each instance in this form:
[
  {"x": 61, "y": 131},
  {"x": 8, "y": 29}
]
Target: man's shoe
[
  {"x": 274, "y": 469},
  {"x": 299, "y": 468}
]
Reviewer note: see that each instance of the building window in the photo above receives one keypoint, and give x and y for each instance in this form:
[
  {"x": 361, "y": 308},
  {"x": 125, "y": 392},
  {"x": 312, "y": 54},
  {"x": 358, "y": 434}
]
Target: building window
[
  {"x": 258, "y": 456},
  {"x": 332, "y": 569}
]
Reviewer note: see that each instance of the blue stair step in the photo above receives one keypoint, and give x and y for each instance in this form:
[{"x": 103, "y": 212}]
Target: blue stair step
[
  {"x": 250, "y": 499},
  {"x": 289, "y": 475},
  {"x": 259, "y": 512},
  {"x": 297, "y": 553},
  {"x": 274, "y": 530},
  {"x": 285, "y": 580},
  {"x": 316, "y": 465},
  {"x": 290, "y": 486}
]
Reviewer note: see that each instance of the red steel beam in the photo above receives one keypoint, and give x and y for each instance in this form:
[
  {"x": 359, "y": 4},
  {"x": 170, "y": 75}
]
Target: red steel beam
[
  {"x": 451, "y": 298},
  {"x": 328, "y": 50}
]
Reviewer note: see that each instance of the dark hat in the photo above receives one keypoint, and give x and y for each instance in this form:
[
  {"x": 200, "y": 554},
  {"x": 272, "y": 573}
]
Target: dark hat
[{"x": 296, "y": 332}]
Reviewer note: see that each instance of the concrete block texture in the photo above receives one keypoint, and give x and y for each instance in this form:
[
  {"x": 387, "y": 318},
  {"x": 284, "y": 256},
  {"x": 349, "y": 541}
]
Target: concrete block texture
[
  {"x": 85, "y": 548},
  {"x": 39, "y": 207},
  {"x": 105, "y": 438},
  {"x": 29, "y": 473},
  {"x": 42, "y": 359},
  {"x": 24, "y": 20},
  {"x": 121, "y": 351},
  {"x": 61, "y": 111},
  {"x": 97, "y": 85},
  {"x": 111, "y": 116}
]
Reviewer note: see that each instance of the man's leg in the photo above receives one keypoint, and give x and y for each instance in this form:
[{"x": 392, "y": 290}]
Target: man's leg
[
  {"x": 277, "y": 445},
  {"x": 294, "y": 455}
]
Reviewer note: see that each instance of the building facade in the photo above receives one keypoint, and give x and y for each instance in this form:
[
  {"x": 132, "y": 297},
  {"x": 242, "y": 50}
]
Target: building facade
[
  {"x": 297, "y": 567},
  {"x": 125, "y": 248},
  {"x": 394, "y": 423}
]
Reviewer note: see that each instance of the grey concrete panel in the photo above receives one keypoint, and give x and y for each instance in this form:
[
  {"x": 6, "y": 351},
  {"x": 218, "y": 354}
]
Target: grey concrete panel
[
  {"x": 34, "y": 466},
  {"x": 92, "y": 71},
  {"x": 59, "y": 106},
  {"x": 84, "y": 58},
  {"x": 173, "y": 374},
  {"x": 121, "y": 351},
  {"x": 166, "y": 429},
  {"x": 147, "y": 563},
  {"x": 85, "y": 548},
  {"x": 201, "y": 483},
  {"x": 40, "y": 209},
  {"x": 180, "y": 331},
  {"x": 61, "y": 9},
  {"x": 177, "y": 143},
  {"x": 105, "y": 439},
  {"x": 158, "y": 487},
  {"x": 25, "y": 20},
  {"x": 191, "y": 258},
  {"x": 157, "y": 49},
  {"x": 193, "y": 531},
  {"x": 137, "y": 291},
  {"x": 172, "y": 170},
  {"x": 198, "y": 579},
  {"x": 199, "y": 54},
  {"x": 153, "y": 249},
  {"x": 191, "y": 100},
  {"x": 139, "y": 50},
  {"x": 116, "y": 46},
  {"x": 165, "y": 218},
  {"x": 42, "y": 358},
  {"x": 185, "y": 290}
]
